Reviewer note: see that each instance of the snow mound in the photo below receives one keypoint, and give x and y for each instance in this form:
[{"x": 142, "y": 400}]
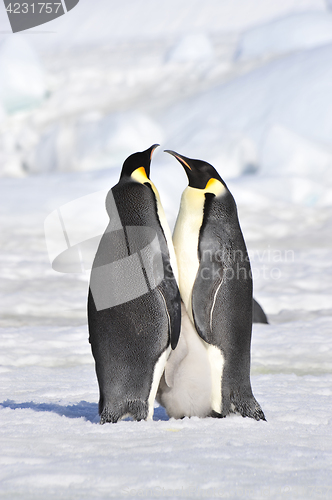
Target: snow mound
[
  {"x": 295, "y": 32},
  {"x": 300, "y": 168},
  {"x": 250, "y": 106},
  {"x": 92, "y": 142},
  {"x": 192, "y": 48},
  {"x": 22, "y": 82},
  {"x": 110, "y": 20},
  {"x": 2, "y": 113},
  {"x": 73, "y": 232},
  {"x": 287, "y": 153}
]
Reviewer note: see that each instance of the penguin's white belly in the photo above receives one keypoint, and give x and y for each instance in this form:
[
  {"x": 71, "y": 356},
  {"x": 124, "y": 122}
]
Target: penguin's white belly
[
  {"x": 188, "y": 265},
  {"x": 167, "y": 232},
  {"x": 186, "y": 241},
  {"x": 216, "y": 362},
  {"x": 186, "y": 386},
  {"x": 158, "y": 371}
]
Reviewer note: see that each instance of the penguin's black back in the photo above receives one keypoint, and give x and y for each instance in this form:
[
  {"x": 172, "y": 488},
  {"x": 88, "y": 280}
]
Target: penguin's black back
[
  {"x": 128, "y": 339},
  {"x": 222, "y": 247}
]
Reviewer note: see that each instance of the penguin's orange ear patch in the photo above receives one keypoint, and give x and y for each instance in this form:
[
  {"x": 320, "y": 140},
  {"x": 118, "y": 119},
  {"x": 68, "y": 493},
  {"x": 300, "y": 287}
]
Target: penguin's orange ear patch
[
  {"x": 214, "y": 186},
  {"x": 142, "y": 171},
  {"x": 212, "y": 183},
  {"x": 139, "y": 175}
]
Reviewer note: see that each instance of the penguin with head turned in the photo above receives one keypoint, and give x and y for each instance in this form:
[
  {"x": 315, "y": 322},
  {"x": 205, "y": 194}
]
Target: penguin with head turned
[
  {"x": 134, "y": 309},
  {"x": 216, "y": 287}
]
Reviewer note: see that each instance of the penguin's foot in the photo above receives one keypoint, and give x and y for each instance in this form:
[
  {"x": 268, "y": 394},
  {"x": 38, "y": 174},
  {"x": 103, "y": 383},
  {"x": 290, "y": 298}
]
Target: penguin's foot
[
  {"x": 247, "y": 408},
  {"x": 109, "y": 416},
  {"x": 135, "y": 408},
  {"x": 215, "y": 414}
]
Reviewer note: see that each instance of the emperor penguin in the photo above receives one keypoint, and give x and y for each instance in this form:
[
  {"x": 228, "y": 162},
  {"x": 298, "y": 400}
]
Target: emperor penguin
[
  {"x": 215, "y": 284},
  {"x": 134, "y": 306}
]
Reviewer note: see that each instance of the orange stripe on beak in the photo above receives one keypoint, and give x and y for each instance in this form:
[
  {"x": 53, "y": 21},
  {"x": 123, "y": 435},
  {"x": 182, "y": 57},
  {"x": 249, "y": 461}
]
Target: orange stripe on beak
[{"x": 181, "y": 160}]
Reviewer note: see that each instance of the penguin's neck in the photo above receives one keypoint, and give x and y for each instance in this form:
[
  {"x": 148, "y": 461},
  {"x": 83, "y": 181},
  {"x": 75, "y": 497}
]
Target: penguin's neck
[
  {"x": 139, "y": 176},
  {"x": 186, "y": 240},
  {"x": 186, "y": 235},
  {"x": 167, "y": 232}
]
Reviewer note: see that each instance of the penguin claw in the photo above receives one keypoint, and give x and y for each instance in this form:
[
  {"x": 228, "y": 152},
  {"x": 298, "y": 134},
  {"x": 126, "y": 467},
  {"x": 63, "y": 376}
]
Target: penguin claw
[
  {"x": 249, "y": 409},
  {"x": 107, "y": 417},
  {"x": 135, "y": 408},
  {"x": 215, "y": 414}
]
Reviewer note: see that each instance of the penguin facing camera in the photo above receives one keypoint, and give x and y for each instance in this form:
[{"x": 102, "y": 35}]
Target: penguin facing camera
[{"x": 216, "y": 288}]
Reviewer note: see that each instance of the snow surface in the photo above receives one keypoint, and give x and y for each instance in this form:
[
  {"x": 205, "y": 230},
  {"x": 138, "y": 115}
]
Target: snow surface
[
  {"x": 299, "y": 31},
  {"x": 292, "y": 92},
  {"x": 192, "y": 47},
  {"x": 267, "y": 127},
  {"x": 22, "y": 83}
]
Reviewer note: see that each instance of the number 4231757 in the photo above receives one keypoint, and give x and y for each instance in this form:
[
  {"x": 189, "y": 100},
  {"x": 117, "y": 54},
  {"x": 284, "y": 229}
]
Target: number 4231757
[{"x": 24, "y": 8}]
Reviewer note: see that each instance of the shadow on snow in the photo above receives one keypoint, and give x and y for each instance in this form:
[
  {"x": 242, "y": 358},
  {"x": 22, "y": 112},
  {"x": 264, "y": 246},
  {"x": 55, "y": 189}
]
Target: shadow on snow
[
  {"x": 88, "y": 411},
  {"x": 83, "y": 409}
]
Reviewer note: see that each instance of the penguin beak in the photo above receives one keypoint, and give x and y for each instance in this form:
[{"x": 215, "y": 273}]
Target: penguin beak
[
  {"x": 182, "y": 159},
  {"x": 155, "y": 146},
  {"x": 146, "y": 168},
  {"x": 199, "y": 172}
]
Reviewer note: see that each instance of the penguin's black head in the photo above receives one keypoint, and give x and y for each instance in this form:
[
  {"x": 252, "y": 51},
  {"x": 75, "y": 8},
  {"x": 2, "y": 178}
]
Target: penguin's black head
[
  {"x": 199, "y": 172},
  {"x": 138, "y": 160}
]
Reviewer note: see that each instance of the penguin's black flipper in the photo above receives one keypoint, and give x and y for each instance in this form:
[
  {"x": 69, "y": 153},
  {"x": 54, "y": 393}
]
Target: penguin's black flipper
[
  {"x": 205, "y": 290},
  {"x": 200, "y": 308},
  {"x": 176, "y": 323},
  {"x": 258, "y": 315},
  {"x": 172, "y": 300}
]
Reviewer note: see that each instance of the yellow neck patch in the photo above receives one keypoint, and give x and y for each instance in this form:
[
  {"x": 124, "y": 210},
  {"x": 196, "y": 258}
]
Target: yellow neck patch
[
  {"x": 214, "y": 186},
  {"x": 139, "y": 175}
]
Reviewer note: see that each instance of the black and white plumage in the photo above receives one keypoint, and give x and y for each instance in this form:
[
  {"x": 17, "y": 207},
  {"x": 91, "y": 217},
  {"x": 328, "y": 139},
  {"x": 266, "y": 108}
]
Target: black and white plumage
[
  {"x": 216, "y": 288},
  {"x": 134, "y": 310}
]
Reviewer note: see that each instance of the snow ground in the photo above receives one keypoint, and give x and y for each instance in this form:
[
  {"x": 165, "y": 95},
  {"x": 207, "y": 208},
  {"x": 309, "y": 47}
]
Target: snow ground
[{"x": 51, "y": 443}]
